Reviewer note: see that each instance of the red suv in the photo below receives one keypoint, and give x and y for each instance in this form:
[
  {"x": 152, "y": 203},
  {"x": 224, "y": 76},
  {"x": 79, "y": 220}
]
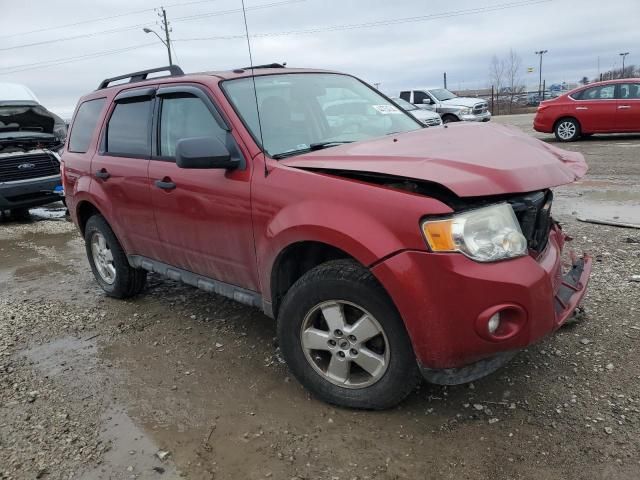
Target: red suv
[
  {"x": 383, "y": 248},
  {"x": 604, "y": 107}
]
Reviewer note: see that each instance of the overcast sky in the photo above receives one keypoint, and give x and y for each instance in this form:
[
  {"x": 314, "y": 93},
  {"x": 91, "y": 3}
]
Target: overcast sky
[{"x": 398, "y": 55}]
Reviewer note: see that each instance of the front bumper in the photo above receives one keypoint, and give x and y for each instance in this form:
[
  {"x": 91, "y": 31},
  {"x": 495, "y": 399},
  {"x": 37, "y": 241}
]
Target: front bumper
[
  {"x": 483, "y": 117},
  {"x": 29, "y": 193},
  {"x": 443, "y": 297}
]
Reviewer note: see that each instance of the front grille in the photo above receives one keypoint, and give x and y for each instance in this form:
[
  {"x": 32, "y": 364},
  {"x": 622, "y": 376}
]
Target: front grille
[
  {"x": 480, "y": 108},
  {"x": 433, "y": 122},
  {"x": 534, "y": 215},
  {"x": 25, "y": 167}
]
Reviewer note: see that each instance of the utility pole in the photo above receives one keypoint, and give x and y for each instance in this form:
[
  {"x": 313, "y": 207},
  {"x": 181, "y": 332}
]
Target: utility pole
[
  {"x": 623, "y": 55},
  {"x": 445, "y": 80},
  {"x": 541, "y": 53},
  {"x": 165, "y": 27},
  {"x": 377, "y": 85}
]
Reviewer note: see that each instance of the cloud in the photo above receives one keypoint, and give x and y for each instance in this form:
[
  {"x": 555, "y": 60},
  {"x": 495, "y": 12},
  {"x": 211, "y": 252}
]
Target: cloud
[{"x": 401, "y": 55}]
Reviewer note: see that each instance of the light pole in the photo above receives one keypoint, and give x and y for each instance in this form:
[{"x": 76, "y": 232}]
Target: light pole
[
  {"x": 623, "y": 55},
  {"x": 148, "y": 30},
  {"x": 540, "y": 92}
]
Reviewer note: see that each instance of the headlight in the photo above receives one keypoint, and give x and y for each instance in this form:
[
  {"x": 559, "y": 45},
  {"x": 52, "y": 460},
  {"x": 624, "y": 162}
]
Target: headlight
[
  {"x": 485, "y": 235},
  {"x": 465, "y": 111}
]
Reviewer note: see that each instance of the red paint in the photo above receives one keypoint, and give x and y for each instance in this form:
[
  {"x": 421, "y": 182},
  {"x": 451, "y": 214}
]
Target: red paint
[
  {"x": 613, "y": 115},
  {"x": 232, "y": 225}
]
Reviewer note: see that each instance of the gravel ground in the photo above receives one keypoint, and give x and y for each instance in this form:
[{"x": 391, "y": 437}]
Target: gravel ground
[{"x": 181, "y": 384}]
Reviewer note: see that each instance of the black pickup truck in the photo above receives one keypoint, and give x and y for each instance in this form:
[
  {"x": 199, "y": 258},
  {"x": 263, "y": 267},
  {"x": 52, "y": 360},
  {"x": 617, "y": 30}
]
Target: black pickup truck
[{"x": 31, "y": 138}]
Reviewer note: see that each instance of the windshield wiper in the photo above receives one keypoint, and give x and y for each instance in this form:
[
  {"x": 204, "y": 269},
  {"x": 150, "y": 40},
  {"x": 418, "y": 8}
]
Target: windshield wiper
[
  {"x": 312, "y": 147},
  {"x": 321, "y": 145}
]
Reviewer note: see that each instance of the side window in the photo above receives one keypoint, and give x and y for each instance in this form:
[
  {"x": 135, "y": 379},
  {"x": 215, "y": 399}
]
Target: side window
[
  {"x": 84, "y": 125},
  {"x": 629, "y": 91},
  {"x": 604, "y": 92},
  {"x": 419, "y": 96},
  {"x": 129, "y": 128},
  {"x": 184, "y": 116},
  {"x": 405, "y": 96}
]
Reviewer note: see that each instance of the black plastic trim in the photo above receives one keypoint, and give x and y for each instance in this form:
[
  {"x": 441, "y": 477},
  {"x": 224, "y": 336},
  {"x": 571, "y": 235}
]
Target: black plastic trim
[
  {"x": 239, "y": 294},
  {"x": 174, "y": 71}
]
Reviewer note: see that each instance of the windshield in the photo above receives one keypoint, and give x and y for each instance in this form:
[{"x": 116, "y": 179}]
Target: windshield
[
  {"x": 404, "y": 104},
  {"x": 442, "y": 94},
  {"x": 303, "y": 111}
]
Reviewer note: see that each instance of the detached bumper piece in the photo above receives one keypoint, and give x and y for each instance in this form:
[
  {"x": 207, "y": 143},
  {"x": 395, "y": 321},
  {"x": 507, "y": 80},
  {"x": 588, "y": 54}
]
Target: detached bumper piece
[{"x": 573, "y": 286}]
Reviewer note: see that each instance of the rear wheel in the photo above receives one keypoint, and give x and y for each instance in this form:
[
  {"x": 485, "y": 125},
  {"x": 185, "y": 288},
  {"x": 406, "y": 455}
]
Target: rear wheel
[
  {"x": 567, "y": 130},
  {"x": 344, "y": 340},
  {"x": 109, "y": 262}
]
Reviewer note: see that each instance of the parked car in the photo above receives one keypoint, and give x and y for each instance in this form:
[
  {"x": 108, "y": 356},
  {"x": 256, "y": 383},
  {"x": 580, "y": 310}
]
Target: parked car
[
  {"x": 604, "y": 107},
  {"x": 30, "y": 140},
  {"x": 383, "y": 248},
  {"x": 450, "y": 107},
  {"x": 428, "y": 117}
]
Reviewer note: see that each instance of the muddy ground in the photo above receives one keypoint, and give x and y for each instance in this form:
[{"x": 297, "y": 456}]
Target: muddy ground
[{"x": 180, "y": 383}]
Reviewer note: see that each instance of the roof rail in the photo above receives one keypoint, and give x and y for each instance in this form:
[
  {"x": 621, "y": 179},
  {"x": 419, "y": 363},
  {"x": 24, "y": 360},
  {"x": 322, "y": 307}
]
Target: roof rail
[
  {"x": 268, "y": 65},
  {"x": 140, "y": 76}
]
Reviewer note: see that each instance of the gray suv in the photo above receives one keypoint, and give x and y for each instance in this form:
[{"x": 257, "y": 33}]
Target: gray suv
[{"x": 450, "y": 107}]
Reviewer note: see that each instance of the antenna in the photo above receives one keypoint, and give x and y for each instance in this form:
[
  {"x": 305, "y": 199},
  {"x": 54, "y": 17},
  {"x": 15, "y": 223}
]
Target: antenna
[{"x": 255, "y": 91}]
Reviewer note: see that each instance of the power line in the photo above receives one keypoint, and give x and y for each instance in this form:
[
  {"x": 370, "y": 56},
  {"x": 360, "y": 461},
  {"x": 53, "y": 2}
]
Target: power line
[
  {"x": 334, "y": 28},
  {"x": 99, "y": 19},
  {"x": 61, "y": 61},
  {"x": 141, "y": 25}
]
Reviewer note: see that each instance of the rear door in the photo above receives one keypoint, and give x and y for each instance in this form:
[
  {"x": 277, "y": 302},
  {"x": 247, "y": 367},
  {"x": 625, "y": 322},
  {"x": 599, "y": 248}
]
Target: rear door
[
  {"x": 203, "y": 216},
  {"x": 120, "y": 183},
  {"x": 596, "y": 109},
  {"x": 628, "y": 107}
]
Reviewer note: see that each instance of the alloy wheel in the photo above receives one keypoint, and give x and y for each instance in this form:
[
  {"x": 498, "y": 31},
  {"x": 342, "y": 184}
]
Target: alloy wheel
[
  {"x": 345, "y": 344},
  {"x": 103, "y": 258},
  {"x": 567, "y": 130}
]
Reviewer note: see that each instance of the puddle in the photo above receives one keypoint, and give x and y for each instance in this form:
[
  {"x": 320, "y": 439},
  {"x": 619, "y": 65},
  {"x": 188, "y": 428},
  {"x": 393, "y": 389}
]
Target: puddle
[
  {"x": 75, "y": 364},
  {"x": 602, "y": 200},
  {"x": 132, "y": 453}
]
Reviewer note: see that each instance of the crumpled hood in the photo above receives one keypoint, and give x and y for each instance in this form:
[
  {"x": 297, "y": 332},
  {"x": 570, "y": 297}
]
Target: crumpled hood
[
  {"x": 469, "y": 159},
  {"x": 463, "y": 102}
]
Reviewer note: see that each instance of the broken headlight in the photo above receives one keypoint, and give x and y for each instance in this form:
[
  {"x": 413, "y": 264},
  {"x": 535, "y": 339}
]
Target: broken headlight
[{"x": 485, "y": 235}]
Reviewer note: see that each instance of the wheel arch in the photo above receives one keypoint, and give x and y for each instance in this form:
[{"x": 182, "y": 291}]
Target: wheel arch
[
  {"x": 84, "y": 211},
  {"x": 296, "y": 259}
]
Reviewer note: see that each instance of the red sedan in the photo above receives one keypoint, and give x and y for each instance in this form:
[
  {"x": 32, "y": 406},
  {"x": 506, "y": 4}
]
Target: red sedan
[{"x": 603, "y": 107}]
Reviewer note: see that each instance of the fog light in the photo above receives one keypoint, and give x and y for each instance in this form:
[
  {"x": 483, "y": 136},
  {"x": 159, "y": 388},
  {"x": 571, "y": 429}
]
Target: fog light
[{"x": 494, "y": 323}]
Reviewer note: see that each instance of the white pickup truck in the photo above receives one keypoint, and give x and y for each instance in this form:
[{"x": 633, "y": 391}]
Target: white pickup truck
[{"x": 450, "y": 107}]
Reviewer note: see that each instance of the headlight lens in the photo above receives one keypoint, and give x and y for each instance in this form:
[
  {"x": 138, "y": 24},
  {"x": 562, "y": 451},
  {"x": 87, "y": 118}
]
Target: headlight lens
[
  {"x": 465, "y": 111},
  {"x": 485, "y": 235}
]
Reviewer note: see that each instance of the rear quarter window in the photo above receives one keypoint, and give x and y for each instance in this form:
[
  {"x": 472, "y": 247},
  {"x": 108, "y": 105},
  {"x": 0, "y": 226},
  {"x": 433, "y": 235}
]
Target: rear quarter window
[{"x": 84, "y": 125}]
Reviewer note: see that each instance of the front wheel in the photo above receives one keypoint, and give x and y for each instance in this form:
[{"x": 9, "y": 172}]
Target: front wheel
[
  {"x": 109, "y": 262},
  {"x": 450, "y": 119},
  {"x": 567, "y": 130},
  {"x": 344, "y": 340}
]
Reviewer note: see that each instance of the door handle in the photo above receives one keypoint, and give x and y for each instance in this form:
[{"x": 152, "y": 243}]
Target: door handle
[
  {"x": 624, "y": 107},
  {"x": 582, "y": 108},
  {"x": 165, "y": 184},
  {"x": 103, "y": 174}
]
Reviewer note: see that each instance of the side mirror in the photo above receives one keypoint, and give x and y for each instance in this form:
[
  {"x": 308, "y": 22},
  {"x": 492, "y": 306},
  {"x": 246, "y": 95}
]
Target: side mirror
[
  {"x": 204, "y": 152},
  {"x": 427, "y": 101}
]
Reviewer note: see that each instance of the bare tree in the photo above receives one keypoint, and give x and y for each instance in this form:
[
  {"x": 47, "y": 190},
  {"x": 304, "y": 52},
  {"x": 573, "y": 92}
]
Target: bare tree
[
  {"x": 513, "y": 67},
  {"x": 497, "y": 76}
]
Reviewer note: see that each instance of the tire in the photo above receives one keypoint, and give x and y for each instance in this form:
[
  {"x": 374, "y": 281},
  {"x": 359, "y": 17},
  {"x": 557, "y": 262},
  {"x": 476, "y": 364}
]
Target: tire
[
  {"x": 20, "y": 214},
  {"x": 347, "y": 286},
  {"x": 450, "y": 119},
  {"x": 567, "y": 130},
  {"x": 126, "y": 281}
]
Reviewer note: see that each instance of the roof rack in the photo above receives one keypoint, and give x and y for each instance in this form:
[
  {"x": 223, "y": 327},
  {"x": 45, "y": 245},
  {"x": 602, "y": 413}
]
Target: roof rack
[
  {"x": 140, "y": 76},
  {"x": 268, "y": 65}
]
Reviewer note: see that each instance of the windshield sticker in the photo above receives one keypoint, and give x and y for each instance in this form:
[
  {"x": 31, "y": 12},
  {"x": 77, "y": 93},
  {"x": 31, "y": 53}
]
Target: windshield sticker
[{"x": 386, "y": 109}]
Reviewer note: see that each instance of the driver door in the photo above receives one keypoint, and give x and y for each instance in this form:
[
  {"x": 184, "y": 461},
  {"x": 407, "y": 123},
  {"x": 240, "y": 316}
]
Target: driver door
[{"x": 203, "y": 216}]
